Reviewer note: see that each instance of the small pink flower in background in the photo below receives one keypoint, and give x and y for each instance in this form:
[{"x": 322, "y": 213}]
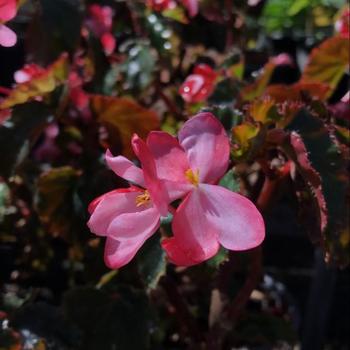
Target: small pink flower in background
[
  {"x": 209, "y": 215},
  {"x": 199, "y": 85},
  {"x": 48, "y": 150},
  {"x": 160, "y": 5},
  {"x": 191, "y": 6},
  {"x": 100, "y": 23},
  {"x": 128, "y": 217},
  {"x": 28, "y": 72},
  {"x": 8, "y": 10},
  {"x": 283, "y": 59},
  {"x": 342, "y": 25}
]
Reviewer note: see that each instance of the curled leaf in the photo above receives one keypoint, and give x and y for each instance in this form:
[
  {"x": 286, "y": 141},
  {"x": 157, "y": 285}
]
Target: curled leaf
[
  {"x": 328, "y": 62},
  {"x": 40, "y": 85},
  {"x": 124, "y": 117}
]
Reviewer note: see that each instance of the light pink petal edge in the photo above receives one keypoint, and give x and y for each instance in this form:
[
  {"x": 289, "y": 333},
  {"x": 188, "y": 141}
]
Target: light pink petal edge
[
  {"x": 207, "y": 146},
  {"x": 124, "y": 168}
]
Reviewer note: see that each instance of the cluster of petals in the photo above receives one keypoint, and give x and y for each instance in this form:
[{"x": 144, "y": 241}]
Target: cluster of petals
[
  {"x": 199, "y": 85},
  {"x": 162, "y": 5},
  {"x": 100, "y": 23},
  {"x": 8, "y": 10},
  {"x": 189, "y": 168}
]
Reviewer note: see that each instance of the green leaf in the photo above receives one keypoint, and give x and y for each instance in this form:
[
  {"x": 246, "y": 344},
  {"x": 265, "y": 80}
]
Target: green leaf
[
  {"x": 297, "y": 6},
  {"x": 230, "y": 182},
  {"x": 151, "y": 262},
  {"x": 328, "y": 62},
  {"x": 228, "y": 116},
  {"x": 18, "y": 134},
  {"x": 225, "y": 91},
  {"x": 139, "y": 67}
]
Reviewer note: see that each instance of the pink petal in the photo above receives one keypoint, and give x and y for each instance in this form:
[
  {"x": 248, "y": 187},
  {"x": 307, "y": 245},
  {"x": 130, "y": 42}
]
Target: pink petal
[
  {"x": 118, "y": 254},
  {"x": 170, "y": 158},
  {"x": 8, "y": 10},
  {"x": 238, "y": 222},
  {"x": 108, "y": 43},
  {"x": 191, "y": 87},
  {"x": 107, "y": 207},
  {"x": 195, "y": 238},
  {"x": 171, "y": 163},
  {"x": 207, "y": 146},
  {"x": 192, "y": 7},
  {"x": 8, "y": 37},
  {"x": 124, "y": 168},
  {"x": 154, "y": 186},
  {"x": 135, "y": 224},
  {"x": 206, "y": 71}
]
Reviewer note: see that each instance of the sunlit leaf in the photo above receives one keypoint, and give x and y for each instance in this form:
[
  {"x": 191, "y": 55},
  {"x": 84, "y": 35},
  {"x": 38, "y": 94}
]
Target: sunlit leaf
[
  {"x": 263, "y": 110},
  {"x": 257, "y": 88},
  {"x": 245, "y": 138},
  {"x": 125, "y": 116},
  {"x": 42, "y": 84},
  {"x": 328, "y": 62},
  {"x": 297, "y": 92},
  {"x": 229, "y": 181}
]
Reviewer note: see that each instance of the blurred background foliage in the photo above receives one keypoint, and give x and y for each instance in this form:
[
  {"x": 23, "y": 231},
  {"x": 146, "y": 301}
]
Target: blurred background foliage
[{"x": 81, "y": 80}]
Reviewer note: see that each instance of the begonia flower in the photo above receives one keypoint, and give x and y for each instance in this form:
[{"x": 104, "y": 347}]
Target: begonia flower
[
  {"x": 128, "y": 217},
  {"x": 28, "y": 72},
  {"x": 283, "y": 59},
  {"x": 209, "y": 215},
  {"x": 100, "y": 23},
  {"x": 160, "y": 5},
  {"x": 8, "y": 10},
  {"x": 199, "y": 85},
  {"x": 191, "y": 6}
]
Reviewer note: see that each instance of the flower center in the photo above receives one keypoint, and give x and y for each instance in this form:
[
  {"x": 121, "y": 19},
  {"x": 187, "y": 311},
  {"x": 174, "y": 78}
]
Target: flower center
[
  {"x": 143, "y": 198},
  {"x": 192, "y": 176}
]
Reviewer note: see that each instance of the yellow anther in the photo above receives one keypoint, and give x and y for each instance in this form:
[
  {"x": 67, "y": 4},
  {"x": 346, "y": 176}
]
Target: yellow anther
[
  {"x": 143, "y": 198},
  {"x": 192, "y": 176}
]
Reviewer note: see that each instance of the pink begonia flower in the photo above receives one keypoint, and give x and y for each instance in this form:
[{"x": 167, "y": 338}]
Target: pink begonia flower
[
  {"x": 160, "y": 5},
  {"x": 209, "y": 215},
  {"x": 8, "y": 10},
  {"x": 28, "y": 72},
  {"x": 128, "y": 217},
  {"x": 283, "y": 59},
  {"x": 191, "y": 6},
  {"x": 100, "y": 23},
  {"x": 199, "y": 85}
]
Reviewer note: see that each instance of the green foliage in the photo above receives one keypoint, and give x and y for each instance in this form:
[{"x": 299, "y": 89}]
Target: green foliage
[{"x": 151, "y": 262}]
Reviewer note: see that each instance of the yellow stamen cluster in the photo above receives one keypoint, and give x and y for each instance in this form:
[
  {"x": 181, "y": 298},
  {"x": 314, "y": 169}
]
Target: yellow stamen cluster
[
  {"x": 143, "y": 198},
  {"x": 192, "y": 176}
]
